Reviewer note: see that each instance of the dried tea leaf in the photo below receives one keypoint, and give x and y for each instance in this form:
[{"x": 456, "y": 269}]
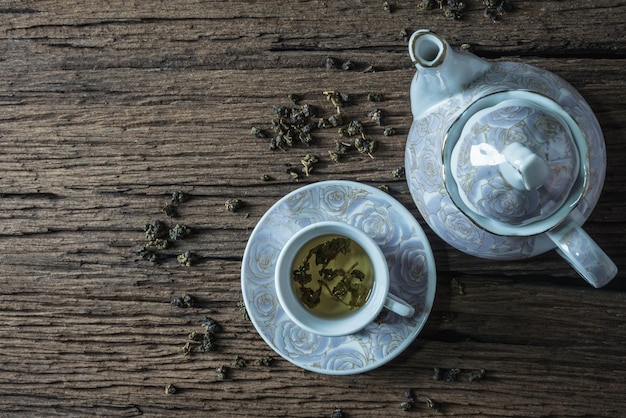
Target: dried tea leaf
[
  {"x": 389, "y": 131},
  {"x": 239, "y": 362},
  {"x": 457, "y": 287},
  {"x": 184, "y": 301},
  {"x": 264, "y": 361},
  {"x": 398, "y": 172},
  {"x": 477, "y": 375},
  {"x": 233, "y": 205},
  {"x": 185, "y": 259},
  {"x": 178, "y": 232},
  {"x": 223, "y": 372}
]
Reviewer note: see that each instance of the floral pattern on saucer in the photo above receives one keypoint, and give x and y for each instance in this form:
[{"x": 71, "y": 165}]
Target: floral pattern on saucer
[{"x": 408, "y": 254}]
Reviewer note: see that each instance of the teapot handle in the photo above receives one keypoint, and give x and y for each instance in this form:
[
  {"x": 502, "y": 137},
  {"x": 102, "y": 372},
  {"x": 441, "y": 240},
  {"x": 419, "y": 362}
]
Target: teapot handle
[{"x": 582, "y": 252}]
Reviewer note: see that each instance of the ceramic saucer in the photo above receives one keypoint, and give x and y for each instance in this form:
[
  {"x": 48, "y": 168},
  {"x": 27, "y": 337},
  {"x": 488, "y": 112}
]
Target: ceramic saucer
[{"x": 408, "y": 254}]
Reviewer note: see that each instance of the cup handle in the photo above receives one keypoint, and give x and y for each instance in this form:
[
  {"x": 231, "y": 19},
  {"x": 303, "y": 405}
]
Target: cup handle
[
  {"x": 581, "y": 251},
  {"x": 397, "y": 305}
]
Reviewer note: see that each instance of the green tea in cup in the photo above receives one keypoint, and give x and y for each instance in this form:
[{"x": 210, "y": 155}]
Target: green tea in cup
[
  {"x": 333, "y": 279},
  {"x": 332, "y": 275}
]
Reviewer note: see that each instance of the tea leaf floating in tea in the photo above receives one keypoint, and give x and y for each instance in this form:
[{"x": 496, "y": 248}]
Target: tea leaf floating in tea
[
  {"x": 310, "y": 297},
  {"x": 326, "y": 275}
]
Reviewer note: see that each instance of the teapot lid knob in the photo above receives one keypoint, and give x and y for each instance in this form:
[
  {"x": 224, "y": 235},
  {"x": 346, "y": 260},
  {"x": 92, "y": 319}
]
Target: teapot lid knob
[
  {"x": 523, "y": 169},
  {"x": 515, "y": 163}
]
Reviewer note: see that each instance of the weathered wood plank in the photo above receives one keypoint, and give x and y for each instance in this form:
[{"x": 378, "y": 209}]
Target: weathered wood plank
[
  {"x": 105, "y": 109},
  {"x": 98, "y": 348}
]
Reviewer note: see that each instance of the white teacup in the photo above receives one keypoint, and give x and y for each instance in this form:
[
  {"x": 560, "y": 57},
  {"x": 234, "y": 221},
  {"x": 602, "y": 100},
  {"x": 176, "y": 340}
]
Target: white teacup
[{"x": 355, "y": 318}]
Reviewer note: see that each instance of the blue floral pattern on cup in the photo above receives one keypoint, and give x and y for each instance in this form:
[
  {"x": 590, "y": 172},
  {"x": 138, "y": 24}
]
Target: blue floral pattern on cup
[{"x": 408, "y": 254}]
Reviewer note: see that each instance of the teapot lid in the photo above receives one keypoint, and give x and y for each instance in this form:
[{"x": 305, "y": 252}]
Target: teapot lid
[{"x": 515, "y": 163}]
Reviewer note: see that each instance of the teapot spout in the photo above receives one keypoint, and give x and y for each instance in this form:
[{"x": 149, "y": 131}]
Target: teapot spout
[{"x": 441, "y": 72}]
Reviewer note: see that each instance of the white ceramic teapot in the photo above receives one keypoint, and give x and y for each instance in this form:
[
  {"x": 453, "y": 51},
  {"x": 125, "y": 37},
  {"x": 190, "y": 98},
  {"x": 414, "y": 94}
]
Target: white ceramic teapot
[{"x": 504, "y": 160}]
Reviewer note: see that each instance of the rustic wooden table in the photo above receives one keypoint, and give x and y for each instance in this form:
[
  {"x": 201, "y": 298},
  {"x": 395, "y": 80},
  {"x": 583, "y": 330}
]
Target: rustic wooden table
[{"x": 107, "y": 108}]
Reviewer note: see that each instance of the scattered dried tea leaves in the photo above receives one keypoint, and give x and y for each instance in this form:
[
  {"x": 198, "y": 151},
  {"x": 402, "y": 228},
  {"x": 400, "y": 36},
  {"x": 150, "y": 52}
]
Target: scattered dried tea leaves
[
  {"x": 374, "y": 96},
  {"x": 448, "y": 316},
  {"x": 452, "y": 375},
  {"x": 409, "y": 401},
  {"x": 398, "y": 172},
  {"x": 496, "y": 8},
  {"x": 347, "y": 65},
  {"x": 170, "y": 210},
  {"x": 158, "y": 244},
  {"x": 239, "y": 362},
  {"x": 242, "y": 310},
  {"x": 234, "y": 204},
  {"x": 293, "y": 173},
  {"x": 211, "y": 326},
  {"x": 455, "y": 374},
  {"x": 308, "y": 162},
  {"x": 389, "y": 131},
  {"x": 264, "y": 361},
  {"x": 187, "y": 348},
  {"x": 184, "y": 301},
  {"x": 338, "y": 99},
  {"x": 354, "y": 128},
  {"x": 454, "y": 9},
  {"x": 223, "y": 372},
  {"x": 376, "y": 116},
  {"x": 337, "y": 413},
  {"x": 294, "y": 97},
  {"x": 194, "y": 336},
  {"x": 435, "y": 406},
  {"x": 330, "y": 63},
  {"x": 186, "y": 259},
  {"x": 477, "y": 375},
  {"x": 335, "y": 120},
  {"x": 453, "y": 12},
  {"x": 203, "y": 341},
  {"x": 149, "y": 255},
  {"x": 365, "y": 145},
  {"x": 257, "y": 132},
  {"x": 179, "y": 197},
  {"x": 155, "y": 230},
  {"x": 404, "y": 34},
  {"x": 160, "y": 236},
  {"x": 207, "y": 343},
  {"x": 456, "y": 286},
  {"x": 178, "y": 232},
  {"x": 170, "y": 389},
  {"x": 293, "y": 125}
]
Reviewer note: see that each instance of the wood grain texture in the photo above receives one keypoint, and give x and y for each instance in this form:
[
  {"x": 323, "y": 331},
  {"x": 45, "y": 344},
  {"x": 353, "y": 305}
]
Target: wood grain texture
[{"x": 106, "y": 109}]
